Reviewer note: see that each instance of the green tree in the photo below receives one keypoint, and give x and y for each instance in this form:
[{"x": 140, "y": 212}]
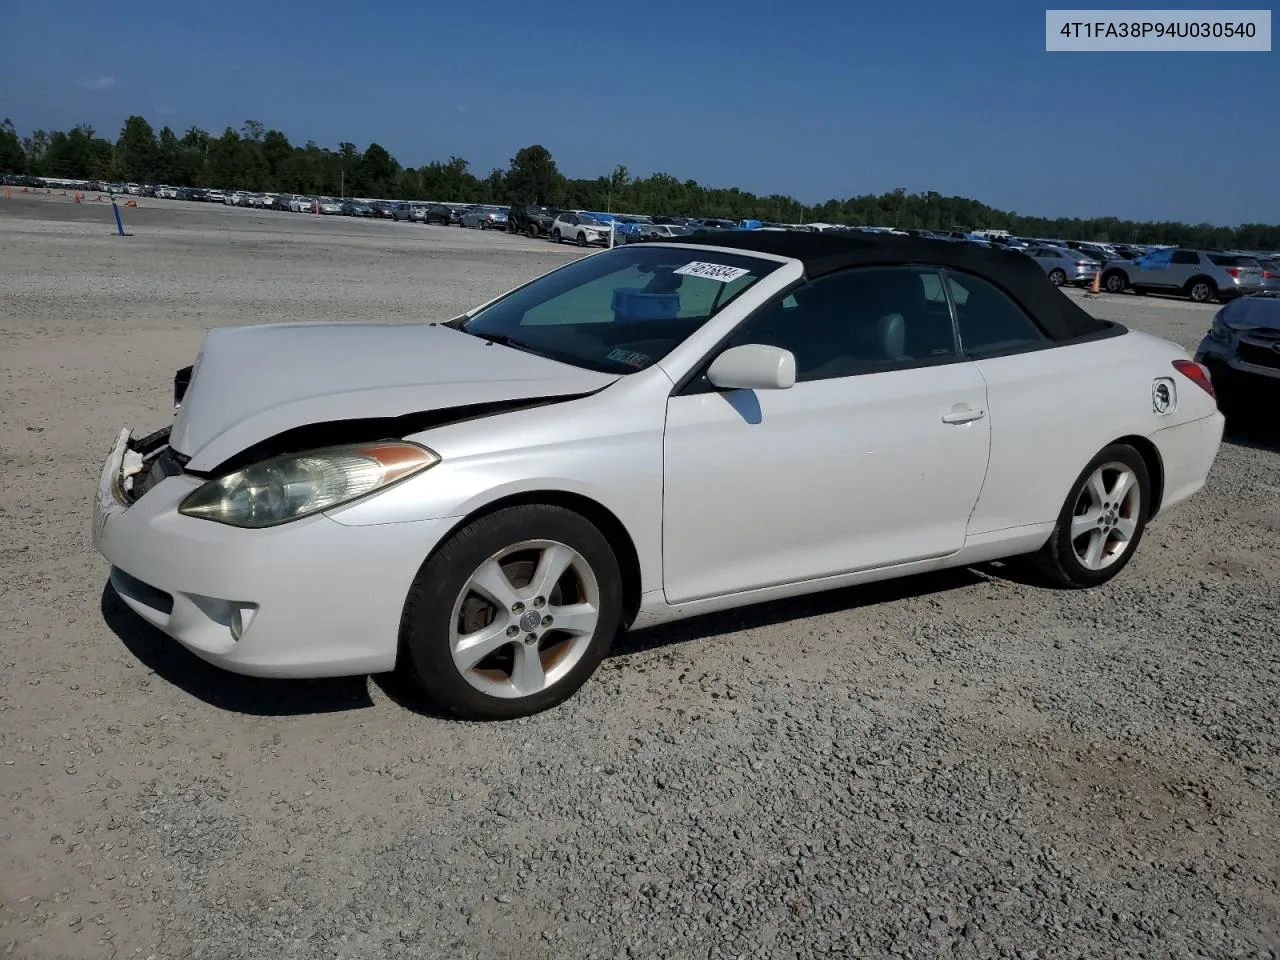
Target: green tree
[
  {"x": 137, "y": 151},
  {"x": 376, "y": 171},
  {"x": 12, "y": 157},
  {"x": 534, "y": 178}
]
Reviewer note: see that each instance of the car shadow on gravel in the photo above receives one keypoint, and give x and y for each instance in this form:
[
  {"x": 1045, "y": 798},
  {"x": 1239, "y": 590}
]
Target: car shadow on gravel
[
  {"x": 796, "y": 608},
  {"x": 1257, "y": 431},
  {"x": 255, "y": 696}
]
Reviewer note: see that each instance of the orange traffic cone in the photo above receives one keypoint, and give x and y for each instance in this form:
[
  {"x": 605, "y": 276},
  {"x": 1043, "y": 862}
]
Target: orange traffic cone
[
  {"x": 8, "y": 192},
  {"x": 132, "y": 203},
  {"x": 1097, "y": 283},
  {"x": 77, "y": 196}
]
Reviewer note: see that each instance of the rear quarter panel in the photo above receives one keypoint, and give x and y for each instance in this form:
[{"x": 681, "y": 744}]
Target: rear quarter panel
[{"x": 1052, "y": 410}]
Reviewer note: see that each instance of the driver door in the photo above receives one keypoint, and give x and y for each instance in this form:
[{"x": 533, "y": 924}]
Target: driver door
[{"x": 875, "y": 457}]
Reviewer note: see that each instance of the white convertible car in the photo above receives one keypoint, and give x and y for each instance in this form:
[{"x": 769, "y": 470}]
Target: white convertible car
[{"x": 647, "y": 433}]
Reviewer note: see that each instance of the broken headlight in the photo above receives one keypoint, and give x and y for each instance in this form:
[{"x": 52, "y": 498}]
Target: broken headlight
[{"x": 297, "y": 485}]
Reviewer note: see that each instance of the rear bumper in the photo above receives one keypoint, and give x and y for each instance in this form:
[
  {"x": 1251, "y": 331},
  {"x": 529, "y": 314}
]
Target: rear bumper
[
  {"x": 314, "y": 598},
  {"x": 1187, "y": 452}
]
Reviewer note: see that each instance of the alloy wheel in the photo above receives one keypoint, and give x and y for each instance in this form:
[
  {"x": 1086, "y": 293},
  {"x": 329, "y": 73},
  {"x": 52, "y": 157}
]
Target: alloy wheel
[
  {"x": 1106, "y": 516},
  {"x": 524, "y": 619}
]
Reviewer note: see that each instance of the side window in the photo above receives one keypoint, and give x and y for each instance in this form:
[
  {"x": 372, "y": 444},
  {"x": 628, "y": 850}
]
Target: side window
[
  {"x": 1186, "y": 256},
  {"x": 863, "y": 320},
  {"x": 989, "y": 321}
]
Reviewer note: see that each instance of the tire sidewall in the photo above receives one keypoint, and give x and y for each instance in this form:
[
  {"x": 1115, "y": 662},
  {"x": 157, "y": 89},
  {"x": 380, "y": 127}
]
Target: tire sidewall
[
  {"x": 1060, "y": 275},
  {"x": 1066, "y": 556},
  {"x": 425, "y": 652}
]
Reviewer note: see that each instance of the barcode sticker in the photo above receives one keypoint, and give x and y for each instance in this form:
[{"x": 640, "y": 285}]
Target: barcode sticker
[{"x": 712, "y": 271}]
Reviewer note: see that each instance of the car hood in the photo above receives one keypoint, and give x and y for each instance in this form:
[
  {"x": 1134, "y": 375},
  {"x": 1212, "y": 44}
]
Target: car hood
[
  {"x": 252, "y": 383},
  {"x": 1253, "y": 313}
]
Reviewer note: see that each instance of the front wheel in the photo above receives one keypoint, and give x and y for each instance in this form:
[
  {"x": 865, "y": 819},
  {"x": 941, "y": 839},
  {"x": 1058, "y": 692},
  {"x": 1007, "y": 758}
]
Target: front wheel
[
  {"x": 513, "y": 613},
  {"x": 582, "y": 239},
  {"x": 555, "y": 236},
  {"x": 1102, "y": 521}
]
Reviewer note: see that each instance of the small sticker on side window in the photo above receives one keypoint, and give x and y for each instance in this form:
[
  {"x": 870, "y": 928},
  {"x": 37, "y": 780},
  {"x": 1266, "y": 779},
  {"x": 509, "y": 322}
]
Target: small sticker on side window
[
  {"x": 629, "y": 357},
  {"x": 712, "y": 271}
]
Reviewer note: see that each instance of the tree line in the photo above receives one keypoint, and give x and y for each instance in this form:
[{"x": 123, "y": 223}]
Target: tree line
[{"x": 255, "y": 158}]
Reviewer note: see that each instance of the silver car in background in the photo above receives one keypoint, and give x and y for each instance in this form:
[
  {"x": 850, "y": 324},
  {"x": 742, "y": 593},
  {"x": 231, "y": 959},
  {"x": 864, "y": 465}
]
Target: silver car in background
[
  {"x": 1063, "y": 265},
  {"x": 1270, "y": 274},
  {"x": 486, "y": 217},
  {"x": 658, "y": 231},
  {"x": 1199, "y": 275}
]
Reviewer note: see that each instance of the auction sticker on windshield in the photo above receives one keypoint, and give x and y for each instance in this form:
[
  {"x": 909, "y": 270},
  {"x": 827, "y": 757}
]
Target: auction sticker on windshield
[{"x": 712, "y": 271}]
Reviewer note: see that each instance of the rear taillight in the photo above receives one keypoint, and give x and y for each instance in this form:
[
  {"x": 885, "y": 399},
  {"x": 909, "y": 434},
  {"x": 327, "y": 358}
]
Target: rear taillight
[
  {"x": 1197, "y": 373},
  {"x": 1234, "y": 271},
  {"x": 1084, "y": 263}
]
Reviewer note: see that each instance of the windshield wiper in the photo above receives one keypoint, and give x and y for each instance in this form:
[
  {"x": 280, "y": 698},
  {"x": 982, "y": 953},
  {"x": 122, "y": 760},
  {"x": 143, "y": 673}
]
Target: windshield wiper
[{"x": 502, "y": 340}]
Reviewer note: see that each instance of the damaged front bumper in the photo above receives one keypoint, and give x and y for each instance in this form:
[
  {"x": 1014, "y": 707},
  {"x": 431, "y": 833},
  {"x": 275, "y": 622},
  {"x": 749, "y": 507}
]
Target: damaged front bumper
[{"x": 312, "y": 598}]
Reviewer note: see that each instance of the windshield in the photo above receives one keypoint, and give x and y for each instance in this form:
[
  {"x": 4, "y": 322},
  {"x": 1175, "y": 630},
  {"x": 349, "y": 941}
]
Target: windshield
[{"x": 620, "y": 311}]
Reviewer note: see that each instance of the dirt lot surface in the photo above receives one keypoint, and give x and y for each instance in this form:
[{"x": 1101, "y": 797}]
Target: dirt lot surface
[{"x": 963, "y": 764}]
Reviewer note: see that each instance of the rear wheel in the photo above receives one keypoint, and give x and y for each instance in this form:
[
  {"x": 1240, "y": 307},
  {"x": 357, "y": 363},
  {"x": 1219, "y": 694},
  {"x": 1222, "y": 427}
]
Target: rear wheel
[
  {"x": 1201, "y": 291},
  {"x": 513, "y": 613},
  {"x": 1057, "y": 277},
  {"x": 532, "y": 231},
  {"x": 1102, "y": 521}
]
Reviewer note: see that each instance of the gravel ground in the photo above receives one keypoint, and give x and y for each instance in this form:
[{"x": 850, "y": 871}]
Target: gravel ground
[{"x": 961, "y": 764}]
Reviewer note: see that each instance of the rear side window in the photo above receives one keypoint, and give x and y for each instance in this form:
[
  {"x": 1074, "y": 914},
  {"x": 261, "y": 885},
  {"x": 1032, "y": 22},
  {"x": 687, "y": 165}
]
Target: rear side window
[
  {"x": 989, "y": 321},
  {"x": 1186, "y": 256},
  {"x": 1228, "y": 260}
]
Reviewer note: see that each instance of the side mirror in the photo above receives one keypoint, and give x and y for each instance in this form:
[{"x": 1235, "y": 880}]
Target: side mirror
[{"x": 753, "y": 366}]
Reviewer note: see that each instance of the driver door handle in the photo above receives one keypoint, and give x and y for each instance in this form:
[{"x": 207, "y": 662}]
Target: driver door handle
[{"x": 965, "y": 415}]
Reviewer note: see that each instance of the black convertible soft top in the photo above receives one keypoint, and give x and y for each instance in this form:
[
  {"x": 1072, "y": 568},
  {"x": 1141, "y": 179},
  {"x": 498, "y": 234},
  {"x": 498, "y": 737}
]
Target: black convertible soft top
[{"x": 1018, "y": 275}]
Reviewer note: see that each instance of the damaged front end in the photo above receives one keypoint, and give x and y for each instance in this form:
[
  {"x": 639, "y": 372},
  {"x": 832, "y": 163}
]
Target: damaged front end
[
  {"x": 151, "y": 459},
  {"x": 147, "y": 461}
]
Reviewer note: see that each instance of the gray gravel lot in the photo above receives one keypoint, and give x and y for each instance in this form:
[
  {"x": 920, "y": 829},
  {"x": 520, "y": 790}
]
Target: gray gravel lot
[{"x": 955, "y": 765}]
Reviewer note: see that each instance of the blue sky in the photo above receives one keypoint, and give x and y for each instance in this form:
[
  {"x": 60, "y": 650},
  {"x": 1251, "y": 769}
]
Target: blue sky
[{"x": 818, "y": 98}]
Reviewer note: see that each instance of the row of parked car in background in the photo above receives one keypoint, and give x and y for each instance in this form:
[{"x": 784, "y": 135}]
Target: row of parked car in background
[{"x": 1197, "y": 274}]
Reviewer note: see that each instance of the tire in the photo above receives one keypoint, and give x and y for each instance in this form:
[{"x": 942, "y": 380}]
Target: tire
[
  {"x": 555, "y": 236},
  {"x": 582, "y": 239},
  {"x": 443, "y": 606},
  {"x": 1070, "y": 561},
  {"x": 1057, "y": 276},
  {"x": 1201, "y": 290},
  {"x": 1115, "y": 282},
  {"x": 484, "y": 224},
  {"x": 532, "y": 231}
]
